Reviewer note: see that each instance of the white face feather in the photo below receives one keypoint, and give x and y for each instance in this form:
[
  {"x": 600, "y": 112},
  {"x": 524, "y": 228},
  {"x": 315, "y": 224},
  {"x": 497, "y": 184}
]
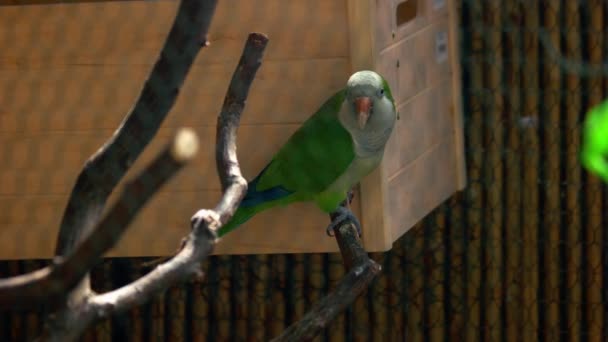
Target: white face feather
[{"x": 373, "y": 136}]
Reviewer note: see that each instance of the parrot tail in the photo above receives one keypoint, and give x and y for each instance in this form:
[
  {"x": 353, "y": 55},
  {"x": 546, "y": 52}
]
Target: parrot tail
[
  {"x": 254, "y": 202},
  {"x": 241, "y": 216}
]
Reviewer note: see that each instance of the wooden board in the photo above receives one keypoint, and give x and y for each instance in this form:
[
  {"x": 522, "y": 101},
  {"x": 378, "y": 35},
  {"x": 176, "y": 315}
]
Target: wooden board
[
  {"x": 422, "y": 69},
  {"x": 66, "y": 85}
]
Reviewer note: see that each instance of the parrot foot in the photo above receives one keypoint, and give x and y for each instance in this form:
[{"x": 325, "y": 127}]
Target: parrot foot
[{"x": 341, "y": 215}]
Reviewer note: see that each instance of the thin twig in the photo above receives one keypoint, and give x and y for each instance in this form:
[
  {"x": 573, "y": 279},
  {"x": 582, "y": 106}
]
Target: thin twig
[{"x": 51, "y": 284}]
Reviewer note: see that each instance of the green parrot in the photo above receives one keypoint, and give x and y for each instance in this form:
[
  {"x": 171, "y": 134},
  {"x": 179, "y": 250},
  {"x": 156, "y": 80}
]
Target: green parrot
[
  {"x": 594, "y": 149},
  {"x": 331, "y": 152}
]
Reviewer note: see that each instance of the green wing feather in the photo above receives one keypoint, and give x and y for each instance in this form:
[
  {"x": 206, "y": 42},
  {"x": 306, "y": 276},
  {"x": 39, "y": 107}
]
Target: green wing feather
[
  {"x": 594, "y": 149},
  {"x": 311, "y": 160}
]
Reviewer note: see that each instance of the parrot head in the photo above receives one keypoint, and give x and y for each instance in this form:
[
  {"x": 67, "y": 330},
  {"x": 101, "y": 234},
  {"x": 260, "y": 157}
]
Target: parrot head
[{"x": 370, "y": 106}]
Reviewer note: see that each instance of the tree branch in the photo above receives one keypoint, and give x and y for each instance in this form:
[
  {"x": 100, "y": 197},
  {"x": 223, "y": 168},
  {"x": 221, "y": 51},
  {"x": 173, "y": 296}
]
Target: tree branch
[
  {"x": 361, "y": 271},
  {"x": 105, "y": 168},
  {"x": 205, "y": 222},
  {"x": 53, "y": 283},
  {"x": 70, "y": 323}
]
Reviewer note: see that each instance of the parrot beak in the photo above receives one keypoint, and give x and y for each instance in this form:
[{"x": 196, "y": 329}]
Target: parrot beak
[{"x": 362, "y": 106}]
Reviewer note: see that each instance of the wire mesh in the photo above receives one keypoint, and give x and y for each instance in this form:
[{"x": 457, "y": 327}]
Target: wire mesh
[{"x": 520, "y": 254}]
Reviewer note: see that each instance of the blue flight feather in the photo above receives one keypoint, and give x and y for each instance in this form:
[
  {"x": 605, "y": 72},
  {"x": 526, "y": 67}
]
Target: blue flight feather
[{"x": 254, "y": 197}]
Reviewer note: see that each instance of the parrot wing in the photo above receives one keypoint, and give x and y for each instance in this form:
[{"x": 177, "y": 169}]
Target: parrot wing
[{"x": 312, "y": 159}]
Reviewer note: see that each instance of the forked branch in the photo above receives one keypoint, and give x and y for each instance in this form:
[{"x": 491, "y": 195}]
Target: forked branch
[
  {"x": 199, "y": 243},
  {"x": 205, "y": 222},
  {"x": 52, "y": 283}
]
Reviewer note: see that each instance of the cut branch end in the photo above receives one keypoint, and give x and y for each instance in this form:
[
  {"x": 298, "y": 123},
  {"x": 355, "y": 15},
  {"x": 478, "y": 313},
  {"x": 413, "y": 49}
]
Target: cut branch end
[{"x": 185, "y": 145}]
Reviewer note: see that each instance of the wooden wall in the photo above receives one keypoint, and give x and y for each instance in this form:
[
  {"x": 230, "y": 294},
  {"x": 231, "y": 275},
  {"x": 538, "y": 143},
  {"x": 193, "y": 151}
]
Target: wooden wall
[{"x": 70, "y": 70}]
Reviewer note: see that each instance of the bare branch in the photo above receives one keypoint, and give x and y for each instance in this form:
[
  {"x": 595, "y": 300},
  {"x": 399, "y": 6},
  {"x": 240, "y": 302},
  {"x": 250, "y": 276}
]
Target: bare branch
[
  {"x": 201, "y": 239},
  {"x": 361, "y": 271},
  {"x": 51, "y": 284},
  {"x": 105, "y": 168}
]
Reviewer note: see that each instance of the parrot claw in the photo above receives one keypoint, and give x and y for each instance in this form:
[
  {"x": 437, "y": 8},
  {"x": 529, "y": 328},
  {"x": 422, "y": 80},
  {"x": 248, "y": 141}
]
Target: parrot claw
[{"x": 339, "y": 216}]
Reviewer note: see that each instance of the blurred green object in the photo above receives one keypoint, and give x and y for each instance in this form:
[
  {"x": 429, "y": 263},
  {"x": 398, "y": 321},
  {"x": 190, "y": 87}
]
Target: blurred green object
[{"x": 594, "y": 151}]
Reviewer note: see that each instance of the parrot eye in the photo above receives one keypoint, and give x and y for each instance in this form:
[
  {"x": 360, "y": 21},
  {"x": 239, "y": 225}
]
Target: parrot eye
[{"x": 380, "y": 92}]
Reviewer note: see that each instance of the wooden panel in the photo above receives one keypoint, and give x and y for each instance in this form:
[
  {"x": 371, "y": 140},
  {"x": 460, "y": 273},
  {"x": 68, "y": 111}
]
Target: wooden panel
[
  {"x": 456, "y": 108},
  {"x": 48, "y": 163},
  {"x": 437, "y": 8},
  {"x": 160, "y": 226},
  {"x": 424, "y": 121},
  {"x": 76, "y": 97},
  {"x": 132, "y": 32},
  {"x": 43, "y": 190},
  {"x": 409, "y": 201},
  {"x": 397, "y": 19},
  {"x": 531, "y": 165},
  {"x": 418, "y": 67},
  {"x": 64, "y": 94},
  {"x": 413, "y": 64}
]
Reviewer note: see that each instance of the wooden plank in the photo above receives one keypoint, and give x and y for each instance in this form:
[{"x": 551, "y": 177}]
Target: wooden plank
[
  {"x": 136, "y": 315},
  {"x": 457, "y": 108},
  {"x": 336, "y": 273},
  {"x": 378, "y": 308},
  {"x": 200, "y": 310},
  {"x": 550, "y": 226},
  {"x": 33, "y": 320},
  {"x": 275, "y": 313},
  {"x": 574, "y": 231},
  {"x": 435, "y": 259},
  {"x": 455, "y": 259},
  {"x": 138, "y": 28},
  {"x": 530, "y": 201},
  {"x": 410, "y": 201},
  {"x": 475, "y": 167},
  {"x": 77, "y": 97},
  {"x": 420, "y": 64},
  {"x": 360, "y": 318},
  {"x": 493, "y": 295},
  {"x": 414, "y": 245},
  {"x": 256, "y": 294},
  {"x": 513, "y": 180},
  {"x": 238, "y": 297},
  {"x": 46, "y": 164},
  {"x": 594, "y": 232},
  {"x": 384, "y": 24},
  {"x": 393, "y": 271},
  {"x": 47, "y": 2},
  {"x": 220, "y": 303},
  {"x": 175, "y": 313},
  {"x": 424, "y": 121},
  {"x": 299, "y": 293},
  {"x": 361, "y": 42},
  {"x": 399, "y": 19}
]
